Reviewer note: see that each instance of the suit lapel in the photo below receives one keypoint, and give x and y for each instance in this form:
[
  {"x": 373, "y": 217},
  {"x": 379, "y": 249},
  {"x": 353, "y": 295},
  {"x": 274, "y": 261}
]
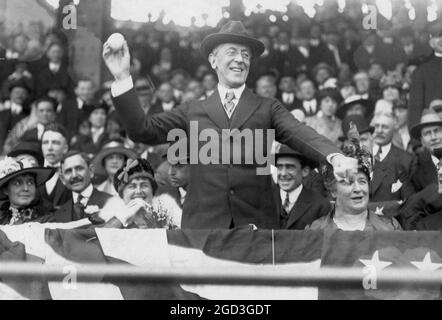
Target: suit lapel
[
  {"x": 247, "y": 105},
  {"x": 378, "y": 175},
  {"x": 300, "y": 208},
  {"x": 58, "y": 190},
  {"x": 215, "y": 110}
]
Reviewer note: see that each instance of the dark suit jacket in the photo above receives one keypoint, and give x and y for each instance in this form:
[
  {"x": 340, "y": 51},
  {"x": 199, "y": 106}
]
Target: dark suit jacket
[
  {"x": 59, "y": 195},
  {"x": 425, "y": 87},
  {"x": 397, "y": 165},
  {"x": 7, "y": 122},
  {"x": 46, "y": 79},
  {"x": 420, "y": 206},
  {"x": 66, "y": 212},
  {"x": 70, "y": 116},
  {"x": 426, "y": 172},
  {"x": 220, "y": 195},
  {"x": 309, "y": 207},
  {"x": 86, "y": 144}
]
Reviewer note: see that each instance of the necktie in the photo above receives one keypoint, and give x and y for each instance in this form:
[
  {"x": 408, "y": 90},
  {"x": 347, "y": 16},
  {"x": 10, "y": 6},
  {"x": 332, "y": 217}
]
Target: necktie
[
  {"x": 229, "y": 104},
  {"x": 286, "y": 205},
  {"x": 377, "y": 157},
  {"x": 79, "y": 208}
]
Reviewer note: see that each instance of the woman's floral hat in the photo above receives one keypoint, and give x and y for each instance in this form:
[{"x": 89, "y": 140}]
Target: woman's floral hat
[
  {"x": 352, "y": 149},
  {"x": 11, "y": 168}
]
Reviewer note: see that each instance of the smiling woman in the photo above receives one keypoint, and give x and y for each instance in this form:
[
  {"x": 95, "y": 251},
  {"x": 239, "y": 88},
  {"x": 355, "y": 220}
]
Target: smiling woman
[{"x": 351, "y": 212}]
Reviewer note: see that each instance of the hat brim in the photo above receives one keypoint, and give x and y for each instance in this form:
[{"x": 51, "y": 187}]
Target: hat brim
[
  {"x": 41, "y": 176},
  {"x": 98, "y": 160},
  {"x": 340, "y": 113},
  {"x": 212, "y": 41},
  {"x": 415, "y": 131},
  {"x": 312, "y": 164},
  {"x": 365, "y": 130}
]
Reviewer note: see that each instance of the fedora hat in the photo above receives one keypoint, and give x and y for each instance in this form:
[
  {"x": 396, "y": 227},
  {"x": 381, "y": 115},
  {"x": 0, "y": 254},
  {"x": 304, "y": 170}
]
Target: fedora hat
[
  {"x": 112, "y": 147},
  {"x": 232, "y": 32},
  {"x": 286, "y": 151},
  {"x": 429, "y": 118},
  {"x": 10, "y": 168}
]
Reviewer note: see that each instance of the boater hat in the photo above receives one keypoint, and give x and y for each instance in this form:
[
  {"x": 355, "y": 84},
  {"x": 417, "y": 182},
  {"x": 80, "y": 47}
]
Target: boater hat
[
  {"x": 232, "y": 32},
  {"x": 10, "y": 168}
]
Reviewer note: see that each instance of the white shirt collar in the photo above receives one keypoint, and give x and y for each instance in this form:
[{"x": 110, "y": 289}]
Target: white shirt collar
[
  {"x": 40, "y": 130},
  {"x": 96, "y": 133},
  {"x": 437, "y": 54},
  {"x": 86, "y": 193},
  {"x": 435, "y": 160},
  {"x": 80, "y": 103},
  {"x": 167, "y": 106},
  {"x": 47, "y": 164},
  {"x": 237, "y": 91},
  {"x": 385, "y": 150},
  {"x": 293, "y": 195}
]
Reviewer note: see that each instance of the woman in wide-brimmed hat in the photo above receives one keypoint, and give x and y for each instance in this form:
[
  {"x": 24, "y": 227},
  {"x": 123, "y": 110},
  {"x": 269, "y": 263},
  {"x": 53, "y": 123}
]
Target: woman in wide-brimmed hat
[
  {"x": 107, "y": 162},
  {"x": 18, "y": 189},
  {"x": 355, "y": 104}
]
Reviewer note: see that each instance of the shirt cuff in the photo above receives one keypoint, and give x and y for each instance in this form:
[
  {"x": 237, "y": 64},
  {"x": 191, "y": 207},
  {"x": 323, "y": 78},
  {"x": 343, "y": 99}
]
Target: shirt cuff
[
  {"x": 331, "y": 156},
  {"x": 120, "y": 87}
]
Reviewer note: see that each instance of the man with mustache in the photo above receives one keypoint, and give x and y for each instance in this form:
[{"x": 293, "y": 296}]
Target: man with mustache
[
  {"x": 232, "y": 193},
  {"x": 85, "y": 201},
  {"x": 393, "y": 167}
]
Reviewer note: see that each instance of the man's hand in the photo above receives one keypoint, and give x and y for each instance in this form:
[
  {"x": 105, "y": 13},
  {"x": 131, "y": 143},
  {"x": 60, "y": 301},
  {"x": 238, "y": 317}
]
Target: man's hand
[
  {"x": 118, "y": 62},
  {"x": 344, "y": 168}
]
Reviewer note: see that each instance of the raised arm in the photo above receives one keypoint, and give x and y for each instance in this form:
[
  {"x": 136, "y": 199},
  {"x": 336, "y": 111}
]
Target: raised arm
[{"x": 140, "y": 127}]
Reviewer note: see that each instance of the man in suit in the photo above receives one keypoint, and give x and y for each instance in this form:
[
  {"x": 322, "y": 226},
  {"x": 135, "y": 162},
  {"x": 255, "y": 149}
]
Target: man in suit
[
  {"x": 307, "y": 101},
  {"x": 426, "y": 79},
  {"x": 223, "y": 195},
  {"x": 27, "y": 130},
  {"x": 54, "y": 146},
  {"x": 297, "y": 206},
  {"x": 72, "y": 111},
  {"x": 84, "y": 200},
  {"x": 429, "y": 133},
  {"x": 393, "y": 167},
  {"x": 287, "y": 88}
]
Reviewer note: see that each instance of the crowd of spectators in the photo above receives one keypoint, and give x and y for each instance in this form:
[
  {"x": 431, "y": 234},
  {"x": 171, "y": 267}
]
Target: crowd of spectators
[{"x": 327, "y": 73}]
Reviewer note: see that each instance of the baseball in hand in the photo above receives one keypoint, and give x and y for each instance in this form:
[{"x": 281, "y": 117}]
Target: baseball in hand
[{"x": 116, "y": 41}]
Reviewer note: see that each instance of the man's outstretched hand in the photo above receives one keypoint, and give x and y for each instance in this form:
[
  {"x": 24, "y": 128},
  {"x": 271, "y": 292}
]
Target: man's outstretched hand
[
  {"x": 344, "y": 168},
  {"x": 118, "y": 62}
]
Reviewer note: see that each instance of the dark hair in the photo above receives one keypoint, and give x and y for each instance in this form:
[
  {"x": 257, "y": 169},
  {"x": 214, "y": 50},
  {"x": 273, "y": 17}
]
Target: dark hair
[
  {"x": 52, "y": 101},
  {"x": 73, "y": 153},
  {"x": 142, "y": 166},
  {"x": 56, "y": 127}
]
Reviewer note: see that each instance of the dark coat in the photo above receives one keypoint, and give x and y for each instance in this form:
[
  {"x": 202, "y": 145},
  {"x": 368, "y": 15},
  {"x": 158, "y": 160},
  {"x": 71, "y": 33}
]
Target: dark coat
[
  {"x": 70, "y": 116},
  {"x": 425, "y": 87},
  {"x": 86, "y": 144},
  {"x": 220, "y": 195},
  {"x": 416, "y": 212},
  {"x": 309, "y": 207},
  {"x": 397, "y": 165},
  {"x": 58, "y": 196},
  {"x": 42, "y": 212},
  {"x": 46, "y": 79},
  {"x": 66, "y": 212},
  {"x": 426, "y": 172},
  {"x": 30, "y": 135}
]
